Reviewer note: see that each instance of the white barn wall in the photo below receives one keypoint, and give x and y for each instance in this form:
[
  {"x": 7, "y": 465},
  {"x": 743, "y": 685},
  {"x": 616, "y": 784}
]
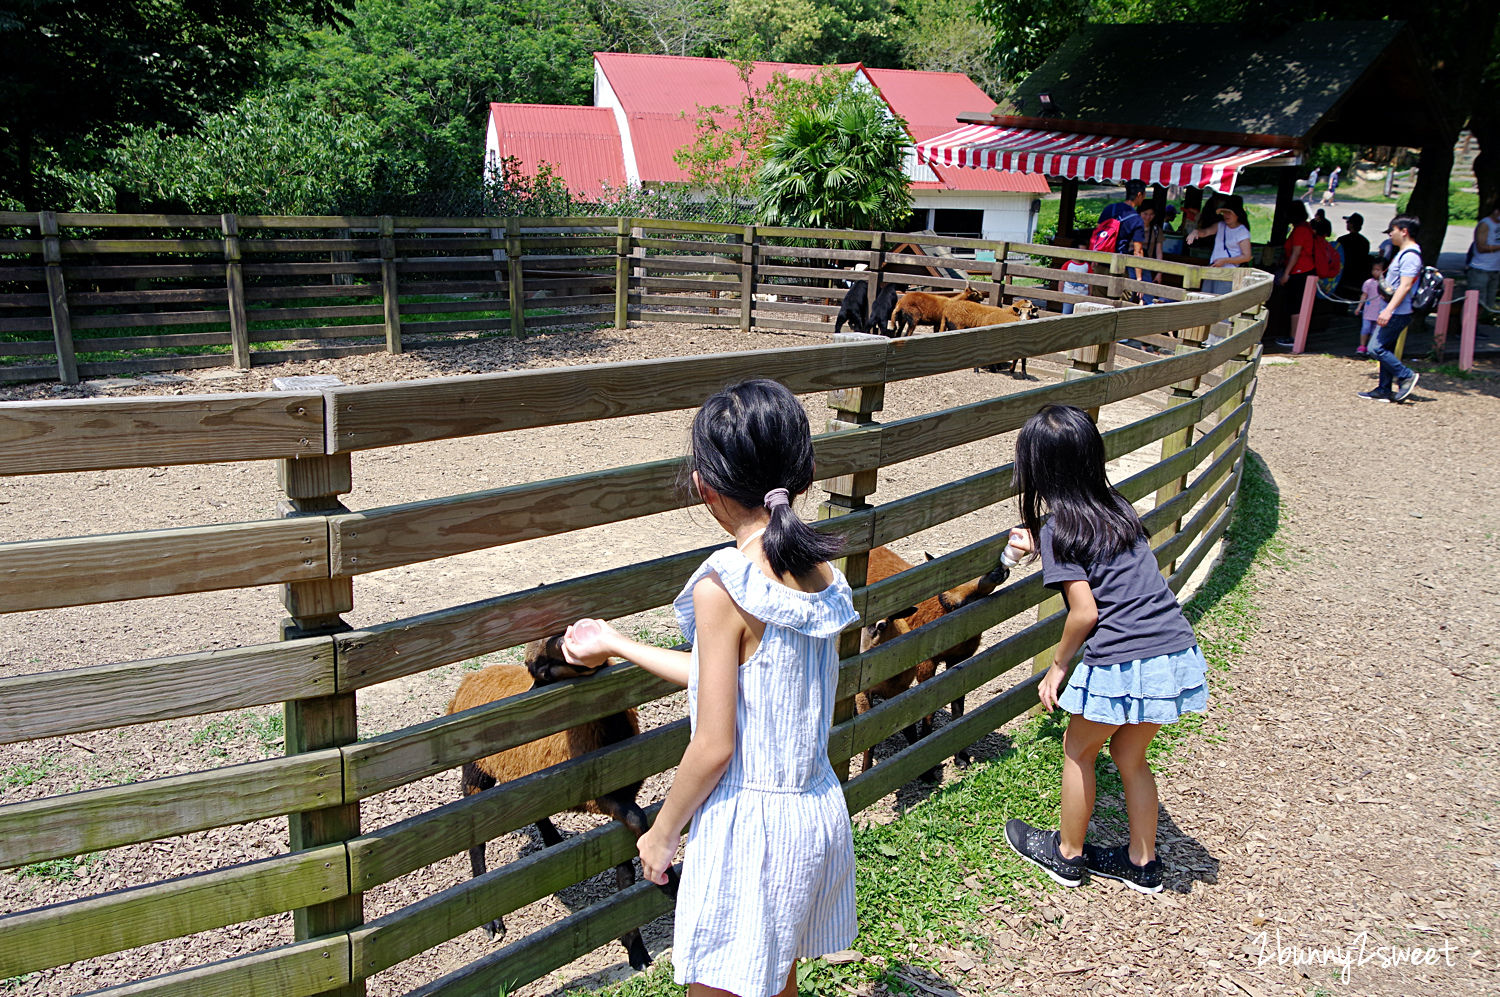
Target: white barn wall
[
  {"x": 604, "y": 96},
  {"x": 1007, "y": 215}
]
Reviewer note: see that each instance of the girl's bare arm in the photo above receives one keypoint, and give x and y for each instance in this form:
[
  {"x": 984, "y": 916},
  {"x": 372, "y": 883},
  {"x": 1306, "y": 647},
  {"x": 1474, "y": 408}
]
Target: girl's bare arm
[{"x": 589, "y": 642}]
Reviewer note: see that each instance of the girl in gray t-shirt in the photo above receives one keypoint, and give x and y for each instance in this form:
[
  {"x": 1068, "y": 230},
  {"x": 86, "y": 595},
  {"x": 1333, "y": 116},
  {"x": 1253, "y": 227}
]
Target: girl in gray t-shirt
[{"x": 1141, "y": 664}]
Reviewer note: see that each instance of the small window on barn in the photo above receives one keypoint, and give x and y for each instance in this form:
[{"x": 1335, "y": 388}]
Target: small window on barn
[{"x": 968, "y": 224}]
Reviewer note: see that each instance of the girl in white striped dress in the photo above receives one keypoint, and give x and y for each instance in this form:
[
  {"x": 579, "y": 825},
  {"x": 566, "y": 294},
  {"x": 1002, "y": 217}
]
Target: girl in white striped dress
[{"x": 768, "y": 875}]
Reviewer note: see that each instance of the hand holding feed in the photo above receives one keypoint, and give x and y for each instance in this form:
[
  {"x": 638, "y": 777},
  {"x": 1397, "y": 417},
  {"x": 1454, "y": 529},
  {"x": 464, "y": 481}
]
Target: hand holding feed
[
  {"x": 657, "y": 851},
  {"x": 1018, "y": 546},
  {"x": 588, "y": 642}
]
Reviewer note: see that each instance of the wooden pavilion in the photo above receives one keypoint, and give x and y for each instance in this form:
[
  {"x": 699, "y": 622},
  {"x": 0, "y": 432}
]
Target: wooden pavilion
[{"x": 1194, "y": 104}]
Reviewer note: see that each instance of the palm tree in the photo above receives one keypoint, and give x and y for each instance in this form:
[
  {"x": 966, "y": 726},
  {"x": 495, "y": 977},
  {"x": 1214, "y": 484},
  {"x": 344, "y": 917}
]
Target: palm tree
[{"x": 839, "y": 166}]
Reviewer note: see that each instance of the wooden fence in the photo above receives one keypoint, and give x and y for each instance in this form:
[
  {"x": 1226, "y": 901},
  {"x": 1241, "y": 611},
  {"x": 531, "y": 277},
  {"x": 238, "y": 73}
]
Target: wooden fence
[
  {"x": 90, "y": 295},
  {"x": 321, "y": 666}
]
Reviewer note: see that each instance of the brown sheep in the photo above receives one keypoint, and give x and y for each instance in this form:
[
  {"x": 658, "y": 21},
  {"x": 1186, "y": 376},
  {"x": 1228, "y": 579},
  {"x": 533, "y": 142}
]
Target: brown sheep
[
  {"x": 967, "y": 315},
  {"x": 884, "y": 563},
  {"x": 925, "y": 308},
  {"x": 545, "y": 665}
]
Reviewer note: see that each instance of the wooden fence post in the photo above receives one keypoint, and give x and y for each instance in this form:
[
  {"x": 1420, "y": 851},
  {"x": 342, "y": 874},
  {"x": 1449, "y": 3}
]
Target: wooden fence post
[
  {"x": 312, "y": 486},
  {"x": 853, "y": 408},
  {"x": 389, "y": 286},
  {"x": 234, "y": 283},
  {"x": 622, "y": 273},
  {"x": 1183, "y": 392},
  {"x": 997, "y": 274},
  {"x": 1468, "y": 327},
  {"x": 1304, "y": 314},
  {"x": 1440, "y": 323},
  {"x": 57, "y": 298},
  {"x": 514, "y": 279},
  {"x": 747, "y": 277}
]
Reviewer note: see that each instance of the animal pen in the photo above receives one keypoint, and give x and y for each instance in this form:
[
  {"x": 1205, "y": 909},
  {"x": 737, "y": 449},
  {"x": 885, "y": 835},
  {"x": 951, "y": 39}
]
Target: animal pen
[{"x": 1202, "y": 383}]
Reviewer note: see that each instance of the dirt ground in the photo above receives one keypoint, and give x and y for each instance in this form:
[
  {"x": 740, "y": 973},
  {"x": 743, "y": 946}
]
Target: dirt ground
[{"x": 1321, "y": 836}]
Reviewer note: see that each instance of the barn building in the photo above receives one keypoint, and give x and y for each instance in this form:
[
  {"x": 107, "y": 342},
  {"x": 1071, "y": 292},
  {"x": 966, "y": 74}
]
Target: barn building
[{"x": 644, "y": 110}]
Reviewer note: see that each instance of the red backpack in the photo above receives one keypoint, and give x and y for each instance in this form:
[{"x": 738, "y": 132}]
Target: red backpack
[
  {"x": 1105, "y": 238},
  {"x": 1326, "y": 260}
]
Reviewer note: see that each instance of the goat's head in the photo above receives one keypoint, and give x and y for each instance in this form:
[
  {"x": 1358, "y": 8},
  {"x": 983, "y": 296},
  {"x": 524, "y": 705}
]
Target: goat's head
[
  {"x": 1024, "y": 308},
  {"x": 971, "y": 294},
  {"x": 886, "y": 628},
  {"x": 546, "y": 663}
]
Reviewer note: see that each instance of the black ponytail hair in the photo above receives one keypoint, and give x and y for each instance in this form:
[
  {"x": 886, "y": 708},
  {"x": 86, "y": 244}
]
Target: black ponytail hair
[
  {"x": 749, "y": 439},
  {"x": 1060, "y": 462}
]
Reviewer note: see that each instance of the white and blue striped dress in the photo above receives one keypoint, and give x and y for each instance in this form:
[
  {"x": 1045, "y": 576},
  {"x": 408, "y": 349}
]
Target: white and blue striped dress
[{"x": 768, "y": 876}]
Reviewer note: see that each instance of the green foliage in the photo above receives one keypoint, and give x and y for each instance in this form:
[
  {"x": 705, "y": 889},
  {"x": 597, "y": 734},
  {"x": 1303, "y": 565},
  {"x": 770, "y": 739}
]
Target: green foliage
[
  {"x": 58, "y": 870},
  {"x": 274, "y": 153},
  {"x": 730, "y": 142},
  {"x": 1328, "y": 155},
  {"x": 1463, "y": 205},
  {"x": 26, "y": 774},
  {"x": 814, "y": 31},
  {"x": 426, "y": 71},
  {"x": 75, "y": 76},
  {"x": 837, "y": 166},
  {"x": 947, "y": 36}
]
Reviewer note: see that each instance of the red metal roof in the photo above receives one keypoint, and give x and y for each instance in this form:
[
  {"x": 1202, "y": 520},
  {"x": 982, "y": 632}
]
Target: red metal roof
[
  {"x": 1101, "y": 158},
  {"x": 582, "y": 144},
  {"x": 930, "y": 102},
  {"x": 661, "y": 95}
]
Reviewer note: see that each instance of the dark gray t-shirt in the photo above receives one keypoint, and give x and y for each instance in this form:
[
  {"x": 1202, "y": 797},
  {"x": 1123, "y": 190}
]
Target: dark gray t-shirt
[{"x": 1138, "y": 615}]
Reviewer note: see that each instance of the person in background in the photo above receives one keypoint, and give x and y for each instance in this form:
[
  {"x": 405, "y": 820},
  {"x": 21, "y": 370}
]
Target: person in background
[
  {"x": 1369, "y": 305},
  {"x": 1072, "y": 266},
  {"x": 1483, "y": 272},
  {"x": 1150, "y": 247},
  {"x": 1396, "y": 379},
  {"x": 1333, "y": 185},
  {"x": 1312, "y": 184},
  {"x": 1132, "y": 238},
  {"x": 1297, "y": 268},
  {"x": 1356, "y": 249},
  {"x": 1231, "y": 241}
]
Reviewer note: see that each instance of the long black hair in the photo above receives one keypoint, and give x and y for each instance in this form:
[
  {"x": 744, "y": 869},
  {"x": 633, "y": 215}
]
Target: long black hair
[
  {"x": 1060, "y": 462},
  {"x": 749, "y": 439}
]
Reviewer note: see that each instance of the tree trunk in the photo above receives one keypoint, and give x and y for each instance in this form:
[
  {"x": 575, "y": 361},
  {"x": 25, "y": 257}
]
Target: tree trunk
[
  {"x": 1485, "y": 125},
  {"x": 1429, "y": 198}
]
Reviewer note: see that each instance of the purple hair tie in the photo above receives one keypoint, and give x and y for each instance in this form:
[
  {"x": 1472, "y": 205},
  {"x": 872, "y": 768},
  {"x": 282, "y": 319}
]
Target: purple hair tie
[{"x": 776, "y": 497}]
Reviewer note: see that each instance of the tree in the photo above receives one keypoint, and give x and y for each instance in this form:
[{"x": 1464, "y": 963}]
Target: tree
[
  {"x": 729, "y": 144},
  {"x": 272, "y": 153},
  {"x": 947, "y": 36},
  {"x": 838, "y": 166},
  {"x": 814, "y": 31},
  {"x": 77, "y": 74},
  {"x": 677, "y": 27},
  {"x": 426, "y": 71}
]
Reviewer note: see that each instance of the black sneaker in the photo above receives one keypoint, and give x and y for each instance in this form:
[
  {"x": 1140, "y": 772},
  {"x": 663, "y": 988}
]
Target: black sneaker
[
  {"x": 1040, "y": 849},
  {"x": 1114, "y": 863},
  {"x": 1376, "y": 395},
  {"x": 1404, "y": 386}
]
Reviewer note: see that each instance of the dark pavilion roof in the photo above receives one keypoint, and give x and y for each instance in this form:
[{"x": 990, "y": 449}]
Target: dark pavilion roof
[{"x": 1360, "y": 82}]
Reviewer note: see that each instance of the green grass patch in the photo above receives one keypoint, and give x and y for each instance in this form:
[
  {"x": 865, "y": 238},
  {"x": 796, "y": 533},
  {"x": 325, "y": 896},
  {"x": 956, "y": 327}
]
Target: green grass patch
[
  {"x": 26, "y": 774},
  {"x": 58, "y": 870},
  {"x": 266, "y": 729},
  {"x": 933, "y": 875}
]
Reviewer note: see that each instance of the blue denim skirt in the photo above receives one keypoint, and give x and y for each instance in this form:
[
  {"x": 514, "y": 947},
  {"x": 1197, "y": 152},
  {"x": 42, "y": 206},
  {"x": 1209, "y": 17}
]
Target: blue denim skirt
[{"x": 1155, "y": 690}]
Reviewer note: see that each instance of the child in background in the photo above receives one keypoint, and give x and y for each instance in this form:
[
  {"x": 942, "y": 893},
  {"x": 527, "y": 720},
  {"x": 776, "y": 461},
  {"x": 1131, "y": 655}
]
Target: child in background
[
  {"x": 1072, "y": 266},
  {"x": 768, "y": 876},
  {"x": 1141, "y": 665},
  {"x": 1369, "y": 305}
]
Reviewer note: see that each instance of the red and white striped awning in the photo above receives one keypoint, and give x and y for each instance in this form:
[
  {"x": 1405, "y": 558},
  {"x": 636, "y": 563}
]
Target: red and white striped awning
[{"x": 1098, "y": 158}]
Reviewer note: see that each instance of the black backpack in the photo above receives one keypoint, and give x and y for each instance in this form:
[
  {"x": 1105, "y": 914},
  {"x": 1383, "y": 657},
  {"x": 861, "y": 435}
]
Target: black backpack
[{"x": 1425, "y": 292}]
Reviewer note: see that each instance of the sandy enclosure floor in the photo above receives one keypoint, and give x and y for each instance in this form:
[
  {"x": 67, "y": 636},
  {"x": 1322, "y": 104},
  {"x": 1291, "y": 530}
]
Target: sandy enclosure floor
[
  {"x": 146, "y": 498},
  {"x": 110, "y": 501}
]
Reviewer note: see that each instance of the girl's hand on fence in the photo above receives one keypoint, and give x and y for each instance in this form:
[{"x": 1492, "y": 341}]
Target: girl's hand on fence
[
  {"x": 589, "y": 642},
  {"x": 657, "y": 851},
  {"x": 1047, "y": 690}
]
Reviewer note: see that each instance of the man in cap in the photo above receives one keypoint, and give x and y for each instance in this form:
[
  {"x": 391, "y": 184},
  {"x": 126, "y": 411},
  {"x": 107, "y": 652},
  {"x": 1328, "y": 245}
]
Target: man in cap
[
  {"x": 1397, "y": 379},
  {"x": 1356, "y": 250}
]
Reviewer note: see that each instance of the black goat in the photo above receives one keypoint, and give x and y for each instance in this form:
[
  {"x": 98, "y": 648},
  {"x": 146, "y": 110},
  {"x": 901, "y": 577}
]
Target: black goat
[
  {"x": 880, "y": 312},
  {"x": 852, "y": 310}
]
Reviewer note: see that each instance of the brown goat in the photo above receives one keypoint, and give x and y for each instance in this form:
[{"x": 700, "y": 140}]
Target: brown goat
[
  {"x": 545, "y": 665},
  {"x": 884, "y": 563},
  {"x": 967, "y": 315},
  {"x": 926, "y": 308}
]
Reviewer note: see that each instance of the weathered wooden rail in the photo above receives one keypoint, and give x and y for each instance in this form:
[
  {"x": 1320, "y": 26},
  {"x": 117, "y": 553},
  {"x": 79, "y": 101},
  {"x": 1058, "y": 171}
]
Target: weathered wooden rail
[
  {"x": 1207, "y": 385},
  {"x": 89, "y": 295}
]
